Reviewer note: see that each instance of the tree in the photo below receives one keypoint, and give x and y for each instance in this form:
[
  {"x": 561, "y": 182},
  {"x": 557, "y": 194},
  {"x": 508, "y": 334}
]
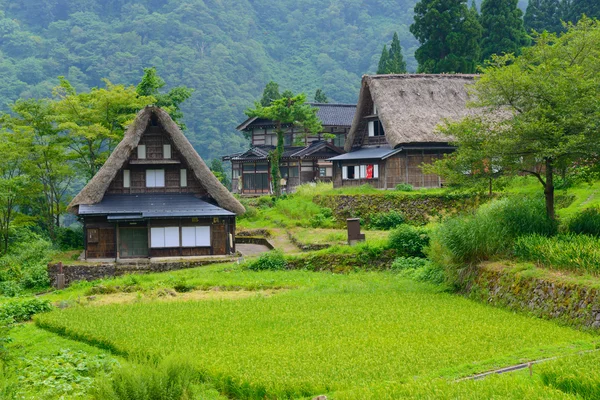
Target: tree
[
  {"x": 449, "y": 33},
  {"x": 320, "y": 96},
  {"x": 503, "y": 31},
  {"x": 216, "y": 166},
  {"x": 290, "y": 109},
  {"x": 150, "y": 86},
  {"x": 543, "y": 15},
  {"x": 545, "y": 110},
  {"x": 94, "y": 122},
  {"x": 577, "y": 8},
  {"x": 392, "y": 61},
  {"x": 270, "y": 93}
]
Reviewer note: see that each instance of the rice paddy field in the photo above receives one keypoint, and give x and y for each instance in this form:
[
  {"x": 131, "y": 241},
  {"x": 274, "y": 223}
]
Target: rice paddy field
[{"x": 355, "y": 336}]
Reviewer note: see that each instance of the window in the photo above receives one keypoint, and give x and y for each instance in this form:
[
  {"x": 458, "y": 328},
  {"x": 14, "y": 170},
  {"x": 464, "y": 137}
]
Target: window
[
  {"x": 374, "y": 109},
  {"x": 166, "y": 151},
  {"x": 164, "y": 237},
  {"x": 375, "y": 129},
  {"x": 155, "y": 178},
  {"x": 195, "y": 236},
  {"x": 183, "y": 177},
  {"x": 339, "y": 140},
  {"x": 367, "y": 171},
  {"x": 350, "y": 172},
  {"x": 141, "y": 152},
  {"x": 322, "y": 171},
  {"x": 126, "y": 178}
]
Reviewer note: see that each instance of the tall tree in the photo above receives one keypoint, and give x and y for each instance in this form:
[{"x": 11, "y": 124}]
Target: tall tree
[
  {"x": 216, "y": 166},
  {"x": 290, "y": 109},
  {"x": 382, "y": 67},
  {"x": 151, "y": 84},
  {"x": 577, "y": 8},
  {"x": 321, "y": 97},
  {"x": 270, "y": 93},
  {"x": 548, "y": 101},
  {"x": 449, "y": 33},
  {"x": 503, "y": 31},
  {"x": 544, "y": 15}
]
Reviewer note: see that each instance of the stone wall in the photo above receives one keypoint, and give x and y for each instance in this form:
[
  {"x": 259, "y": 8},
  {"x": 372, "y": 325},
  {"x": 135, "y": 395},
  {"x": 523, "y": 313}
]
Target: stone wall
[
  {"x": 417, "y": 208},
  {"x": 571, "y": 302},
  {"x": 91, "y": 272}
]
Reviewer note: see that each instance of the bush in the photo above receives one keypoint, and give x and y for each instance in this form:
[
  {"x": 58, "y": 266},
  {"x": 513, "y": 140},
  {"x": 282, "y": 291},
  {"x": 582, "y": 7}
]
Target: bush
[
  {"x": 69, "y": 239},
  {"x": 10, "y": 288},
  {"x": 406, "y": 263},
  {"x": 409, "y": 241},
  {"x": 579, "y": 253},
  {"x": 26, "y": 262},
  {"x": 404, "y": 187},
  {"x": 23, "y": 310},
  {"x": 492, "y": 230},
  {"x": 270, "y": 261},
  {"x": 419, "y": 269},
  {"x": 386, "y": 220},
  {"x": 324, "y": 219},
  {"x": 586, "y": 222},
  {"x": 183, "y": 287}
]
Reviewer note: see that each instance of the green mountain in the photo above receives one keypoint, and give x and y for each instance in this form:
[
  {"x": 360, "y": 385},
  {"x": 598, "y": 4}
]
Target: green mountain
[{"x": 224, "y": 49}]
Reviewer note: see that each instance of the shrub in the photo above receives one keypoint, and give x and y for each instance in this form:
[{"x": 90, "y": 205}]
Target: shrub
[
  {"x": 171, "y": 379},
  {"x": 406, "y": 263},
  {"x": 69, "y": 238},
  {"x": 182, "y": 287},
  {"x": 578, "y": 253},
  {"x": 409, "y": 241},
  {"x": 271, "y": 261},
  {"x": 586, "y": 222},
  {"x": 10, "y": 288},
  {"x": 23, "y": 310},
  {"x": 26, "y": 262},
  {"x": 386, "y": 220},
  {"x": 404, "y": 187},
  {"x": 324, "y": 219}
]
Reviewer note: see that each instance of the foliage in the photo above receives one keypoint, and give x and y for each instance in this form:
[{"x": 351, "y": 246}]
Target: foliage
[
  {"x": 577, "y": 8},
  {"x": 405, "y": 263},
  {"x": 170, "y": 379},
  {"x": 490, "y": 232},
  {"x": 359, "y": 318},
  {"x": 573, "y": 375},
  {"x": 392, "y": 61},
  {"x": 544, "y": 15},
  {"x": 321, "y": 97},
  {"x": 586, "y": 222},
  {"x": 273, "y": 260},
  {"x": 449, "y": 33},
  {"x": 409, "y": 241},
  {"x": 65, "y": 373},
  {"x": 69, "y": 238},
  {"x": 25, "y": 264},
  {"x": 419, "y": 269},
  {"x": 23, "y": 310},
  {"x": 386, "y": 220},
  {"x": 404, "y": 187},
  {"x": 324, "y": 219},
  {"x": 576, "y": 253},
  {"x": 503, "y": 31},
  {"x": 217, "y": 168},
  {"x": 546, "y": 98}
]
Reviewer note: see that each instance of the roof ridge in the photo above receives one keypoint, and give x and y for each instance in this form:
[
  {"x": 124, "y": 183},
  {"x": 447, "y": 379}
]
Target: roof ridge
[{"x": 412, "y": 76}]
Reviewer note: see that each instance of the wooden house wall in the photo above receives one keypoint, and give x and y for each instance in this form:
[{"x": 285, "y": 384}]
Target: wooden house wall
[{"x": 104, "y": 245}]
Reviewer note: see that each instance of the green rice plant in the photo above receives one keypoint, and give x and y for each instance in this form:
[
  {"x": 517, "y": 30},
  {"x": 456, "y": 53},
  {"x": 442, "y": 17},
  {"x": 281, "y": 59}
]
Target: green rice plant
[
  {"x": 409, "y": 241},
  {"x": 333, "y": 334},
  {"x": 271, "y": 261},
  {"x": 586, "y": 222},
  {"x": 386, "y": 220},
  {"x": 577, "y": 253},
  {"x": 577, "y": 375}
]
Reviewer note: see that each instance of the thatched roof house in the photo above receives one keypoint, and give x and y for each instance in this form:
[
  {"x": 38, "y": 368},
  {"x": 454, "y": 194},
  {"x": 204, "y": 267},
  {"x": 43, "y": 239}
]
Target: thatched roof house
[
  {"x": 155, "y": 197},
  {"x": 394, "y": 129}
]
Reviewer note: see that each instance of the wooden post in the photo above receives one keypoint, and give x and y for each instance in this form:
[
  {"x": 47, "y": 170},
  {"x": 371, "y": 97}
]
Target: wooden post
[{"x": 60, "y": 277}]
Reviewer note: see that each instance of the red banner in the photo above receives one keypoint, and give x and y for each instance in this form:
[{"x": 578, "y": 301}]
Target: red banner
[{"x": 370, "y": 171}]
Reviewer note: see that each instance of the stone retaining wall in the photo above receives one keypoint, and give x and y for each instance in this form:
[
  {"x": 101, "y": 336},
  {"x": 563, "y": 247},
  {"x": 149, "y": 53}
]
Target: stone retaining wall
[
  {"x": 91, "y": 272},
  {"x": 573, "y": 303}
]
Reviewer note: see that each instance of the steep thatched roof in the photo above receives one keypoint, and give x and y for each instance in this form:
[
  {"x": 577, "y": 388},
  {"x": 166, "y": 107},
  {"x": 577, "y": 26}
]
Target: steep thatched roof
[
  {"x": 94, "y": 191},
  {"x": 410, "y": 107}
]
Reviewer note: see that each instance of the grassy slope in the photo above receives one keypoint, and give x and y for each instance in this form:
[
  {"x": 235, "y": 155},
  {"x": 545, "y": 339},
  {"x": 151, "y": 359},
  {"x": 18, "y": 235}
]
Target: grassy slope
[{"x": 335, "y": 333}]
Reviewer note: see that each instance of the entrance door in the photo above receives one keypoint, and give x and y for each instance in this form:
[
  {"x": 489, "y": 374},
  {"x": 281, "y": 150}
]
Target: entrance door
[{"x": 133, "y": 242}]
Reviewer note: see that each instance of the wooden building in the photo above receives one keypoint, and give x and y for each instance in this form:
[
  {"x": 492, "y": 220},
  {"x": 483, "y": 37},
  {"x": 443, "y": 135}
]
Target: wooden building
[
  {"x": 155, "y": 197},
  {"x": 304, "y": 158},
  {"x": 393, "y": 132}
]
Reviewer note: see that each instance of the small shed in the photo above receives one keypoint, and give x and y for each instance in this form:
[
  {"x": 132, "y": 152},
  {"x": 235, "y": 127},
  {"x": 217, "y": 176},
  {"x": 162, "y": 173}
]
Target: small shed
[{"x": 155, "y": 197}]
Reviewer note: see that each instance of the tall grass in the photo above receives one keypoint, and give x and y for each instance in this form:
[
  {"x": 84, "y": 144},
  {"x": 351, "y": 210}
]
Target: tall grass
[
  {"x": 586, "y": 222},
  {"x": 577, "y": 253}
]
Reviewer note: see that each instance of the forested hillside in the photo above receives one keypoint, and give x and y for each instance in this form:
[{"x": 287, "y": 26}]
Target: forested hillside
[{"x": 225, "y": 50}]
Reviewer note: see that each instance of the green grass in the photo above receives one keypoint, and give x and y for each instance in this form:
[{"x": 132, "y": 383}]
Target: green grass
[
  {"x": 310, "y": 236},
  {"x": 335, "y": 333}
]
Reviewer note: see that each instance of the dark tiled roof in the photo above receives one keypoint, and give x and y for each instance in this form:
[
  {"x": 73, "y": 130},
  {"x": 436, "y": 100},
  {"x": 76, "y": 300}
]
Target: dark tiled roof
[
  {"x": 377, "y": 153},
  {"x": 134, "y": 206},
  {"x": 335, "y": 114}
]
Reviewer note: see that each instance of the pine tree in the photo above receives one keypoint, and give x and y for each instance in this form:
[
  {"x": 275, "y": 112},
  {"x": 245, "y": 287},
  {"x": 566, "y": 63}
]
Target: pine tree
[
  {"x": 321, "y": 97},
  {"x": 544, "y": 15},
  {"x": 449, "y": 33},
  {"x": 382, "y": 68},
  {"x": 270, "y": 93},
  {"x": 503, "y": 30},
  {"x": 591, "y": 8},
  {"x": 396, "y": 63}
]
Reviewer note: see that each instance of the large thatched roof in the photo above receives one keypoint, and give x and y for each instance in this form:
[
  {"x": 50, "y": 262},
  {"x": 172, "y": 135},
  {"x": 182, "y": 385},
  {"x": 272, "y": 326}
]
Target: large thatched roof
[
  {"x": 94, "y": 191},
  {"x": 410, "y": 106}
]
